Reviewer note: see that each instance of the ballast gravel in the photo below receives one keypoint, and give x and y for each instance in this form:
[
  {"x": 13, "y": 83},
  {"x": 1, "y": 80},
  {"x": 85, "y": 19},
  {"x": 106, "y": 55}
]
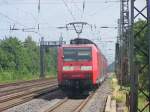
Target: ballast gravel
[
  {"x": 39, "y": 104},
  {"x": 97, "y": 103}
]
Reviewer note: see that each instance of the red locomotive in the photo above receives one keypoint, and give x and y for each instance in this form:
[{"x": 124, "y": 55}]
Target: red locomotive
[{"x": 81, "y": 65}]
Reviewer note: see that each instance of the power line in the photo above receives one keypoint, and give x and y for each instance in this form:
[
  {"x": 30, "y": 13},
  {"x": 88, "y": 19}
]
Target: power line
[
  {"x": 15, "y": 21},
  {"x": 81, "y": 10},
  {"x": 83, "y": 7},
  {"x": 18, "y": 9},
  {"x": 77, "y": 7},
  {"x": 68, "y": 9},
  {"x": 7, "y": 3},
  {"x": 34, "y": 18},
  {"x": 39, "y": 5},
  {"x": 77, "y": 2}
]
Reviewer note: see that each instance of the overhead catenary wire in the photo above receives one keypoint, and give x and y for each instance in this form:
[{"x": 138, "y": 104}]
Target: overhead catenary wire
[
  {"x": 11, "y": 19},
  {"x": 28, "y": 13},
  {"x": 47, "y": 27},
  {"x": 18, "y": 9},
  {"x": 76, "y": 7},
  {"x": 39, "y": 9},
  {"x": 83, "y": 8},
  {"x": 69, "y": 10},
  {"x": 39, "y": 6},
  {"x": 58, "y": 2},
  {"x": 12, "y": 27}
]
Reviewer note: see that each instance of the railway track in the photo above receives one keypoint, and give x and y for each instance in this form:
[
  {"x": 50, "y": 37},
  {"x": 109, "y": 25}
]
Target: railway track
[
  {"x": 16, "y": 89},
  {"x": 95, "y": 102},
  {"x": 9, "y": 88},
  {"x": 19, "y": 95},
  {"x": 50, "y": 92},
  {"x": 70, "y": 105},
  {"x": 23, "y": 82}
]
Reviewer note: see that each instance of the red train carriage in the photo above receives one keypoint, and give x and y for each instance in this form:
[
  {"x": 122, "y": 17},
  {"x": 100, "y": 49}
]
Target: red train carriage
[{"x": 80, "y": 66}]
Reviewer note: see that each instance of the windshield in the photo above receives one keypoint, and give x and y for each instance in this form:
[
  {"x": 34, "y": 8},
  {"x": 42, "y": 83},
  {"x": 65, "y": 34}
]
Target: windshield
[{"x": 77, "y": 54}]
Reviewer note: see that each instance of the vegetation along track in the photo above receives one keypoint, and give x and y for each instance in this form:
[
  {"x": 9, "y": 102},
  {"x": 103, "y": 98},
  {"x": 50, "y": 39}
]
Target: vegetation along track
[
  {"x": 70, "y": 105},
  {"x": 26, "y": 93}
]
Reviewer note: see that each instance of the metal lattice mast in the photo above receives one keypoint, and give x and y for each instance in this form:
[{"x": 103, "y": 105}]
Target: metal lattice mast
[
  {"x": 133, "y": 77},
  {"x": 122, "y": 43},
  {"x": 117, "y": 55},
  {"x": 148, "y": 19},
  {"x": 137, "y": 69},
  {"x": 125, "y": 38},
  {"x": 43, "y": 46}
]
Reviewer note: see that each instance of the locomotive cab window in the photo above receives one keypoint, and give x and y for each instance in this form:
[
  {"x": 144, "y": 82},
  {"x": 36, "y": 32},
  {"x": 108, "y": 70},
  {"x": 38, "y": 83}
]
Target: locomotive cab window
[{"x": 77, "y": 54}]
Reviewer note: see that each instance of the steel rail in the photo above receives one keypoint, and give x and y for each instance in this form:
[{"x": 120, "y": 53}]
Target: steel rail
[
  {"x": 27, "y": 97},
  {"x": 23, "y": 82},
  {"x": 84, "y": 103},
  {"x": 21, "y": 88},
  {"x": 24, "y": 92},
  {"x": 77, "y": 108}
]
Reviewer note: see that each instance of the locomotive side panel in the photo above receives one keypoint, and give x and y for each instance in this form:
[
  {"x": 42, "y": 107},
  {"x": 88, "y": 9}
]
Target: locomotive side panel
[
  {"x": 100, "y": 66},
  {"x": 59, "y": 65},
  {"x": 95, "y": 65}
]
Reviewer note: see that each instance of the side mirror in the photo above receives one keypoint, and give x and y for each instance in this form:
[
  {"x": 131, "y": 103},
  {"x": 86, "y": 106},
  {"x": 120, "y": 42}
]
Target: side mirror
[{"x": 62, "y": 57}]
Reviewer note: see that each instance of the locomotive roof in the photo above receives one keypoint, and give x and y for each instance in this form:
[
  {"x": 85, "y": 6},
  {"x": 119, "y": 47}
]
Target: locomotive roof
[
  {"x": 79, "y": 45},
  {"x": 81, "y": 41}
]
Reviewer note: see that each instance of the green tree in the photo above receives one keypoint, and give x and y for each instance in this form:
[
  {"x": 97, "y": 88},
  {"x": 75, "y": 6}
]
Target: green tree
[
  {"x": 11, "y": 52},
  {"x": 141, "y": 41},
  {"x": 32, "y": 54},
  {"x": 51, "y": 61},
  {"x": 20, "y": 60}
]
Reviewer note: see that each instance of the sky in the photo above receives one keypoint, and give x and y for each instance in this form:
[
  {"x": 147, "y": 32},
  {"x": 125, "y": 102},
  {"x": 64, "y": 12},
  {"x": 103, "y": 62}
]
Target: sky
[{"x": 24, "y": 14}]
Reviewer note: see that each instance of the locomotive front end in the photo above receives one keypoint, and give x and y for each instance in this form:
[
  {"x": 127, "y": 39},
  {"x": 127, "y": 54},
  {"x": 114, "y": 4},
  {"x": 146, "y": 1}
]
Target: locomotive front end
[{"x": 77, "y": 66}]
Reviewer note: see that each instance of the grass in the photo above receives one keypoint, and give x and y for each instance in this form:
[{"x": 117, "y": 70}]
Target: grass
[
  {"x": 119, "y": 94},
  {"x": 13, "y": 76},
  {"x": 142, "y": 102}
]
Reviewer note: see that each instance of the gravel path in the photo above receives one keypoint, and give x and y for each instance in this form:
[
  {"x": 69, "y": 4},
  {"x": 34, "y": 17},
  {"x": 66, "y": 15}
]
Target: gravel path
[
  {"x": 97, "y": 104},
  {"x": 39, "y": 104}
]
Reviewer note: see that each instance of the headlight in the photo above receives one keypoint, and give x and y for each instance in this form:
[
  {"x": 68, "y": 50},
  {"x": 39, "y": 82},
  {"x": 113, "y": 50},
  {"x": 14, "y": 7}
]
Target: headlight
[
  {"x": 86, "y": 67},
  {"x": 67, "y": 68}
]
